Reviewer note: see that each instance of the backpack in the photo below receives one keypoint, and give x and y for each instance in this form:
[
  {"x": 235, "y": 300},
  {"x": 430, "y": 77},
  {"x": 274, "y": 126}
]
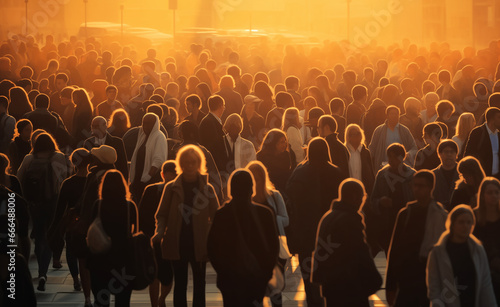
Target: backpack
[{"x": 38, "y": 181}]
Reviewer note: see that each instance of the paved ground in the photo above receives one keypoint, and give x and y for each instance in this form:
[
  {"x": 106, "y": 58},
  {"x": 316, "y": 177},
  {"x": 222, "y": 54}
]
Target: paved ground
[{"x": 59, "y": 290}]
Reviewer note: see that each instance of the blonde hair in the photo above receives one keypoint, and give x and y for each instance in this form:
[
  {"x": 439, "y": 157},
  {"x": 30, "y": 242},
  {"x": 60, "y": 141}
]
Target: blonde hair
[
  {"x": 348, "y": 130},
  {"x": 266, "y": 186},
  {"x": 196, "y": 152},
  {"x": 233, "y": 119},
  {"x": 466, "y": 122}
]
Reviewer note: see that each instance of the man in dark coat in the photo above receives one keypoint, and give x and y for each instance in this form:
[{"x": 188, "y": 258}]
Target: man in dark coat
[
  {"x": 483, "y": 143},
  {"x": 243, "y": 245},
  {"x": 311, "y": 189},
  {"x": 211, "y": 133},
  {"x": 100, "y": 136},
  {"x": 342, "y": 261},
  {"x": 327, "y": 128},
  {"x": 41, "y": 118},
  {"x": 446, "y": 173},
  {"x": 232, "y": 99}
]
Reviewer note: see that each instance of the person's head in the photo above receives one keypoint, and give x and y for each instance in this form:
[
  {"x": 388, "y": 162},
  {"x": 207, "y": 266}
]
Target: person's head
[
  {"x": 337, "y": 106},
  {"x": 292, "y": 83},
  {"x": 151, "y": 53},
  {"x": 193, "y": 103},
  {"x": 263, "y": 184},
  {"x": 168, "y": 171},
  {"x": 432, "y": 133},
  {"x": 99, "y": 127},
  {"x": 492, "y": 116},
  {"x": 148, "y": 122},
  {"x": 427, "y": 87},
  {"x": 444, "y": 77},
  {"x": 24, "y": 129},
  {"x": 392, "y": 115},
  {"x": 466, "y": 122},
  {"x": 191, "y": 161},
  {"x": 241, "y": 185},
  {"x": 359, "y": 93},
  {"x": 368, "y": 74},
  {"x": 412, "y": 106},
  {"x": 226, "y": 81},
  {"x": 61, "y": 81},
  {"x": 354, "y": 136},
  {"x": 4, "y": 104},
  {"x": 448, "y": 153},
  {"x": 274, "y": 142},
  {"x": 42, "y": 101},
  {"x": 494, "y": 99},
  {"x": 488, "y": 198},
  {"x": 352, "y": 192},
  {"x": 111, "y": 92},
  {"x": 310, "y": 102},
  {"x": 431, "y": 99},
  {"x": 26, "y": 72},
  {"x": 318, "y": 151},
  {"x": 173, "y": 89},
  {"x": 291, "y": 118},
  {"x": 113, "y": 187},
  {"x": 460, "y": 223},
  {"x": 326, "y": 125},
  {"x": 284, "y": 100},
  {"x": 423, "y": 185},
  {"x": 234, "y": 71},
  {"x": 119, "y": 120},
  {"x": 188, "y": 131},
  {"x": 471, "y": 172},
  {"x": 396, "y": 154},
  {"x": 233, "y": 125},
  {"x": 216, "y": 105},
  {"x": 44, "y": 143},
  {"x": 80, "y": 158},
  {"x": 445, "y": 109}
]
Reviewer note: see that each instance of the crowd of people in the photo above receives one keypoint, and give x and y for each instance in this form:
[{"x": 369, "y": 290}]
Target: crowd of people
[{"x": 244, "y": 155}]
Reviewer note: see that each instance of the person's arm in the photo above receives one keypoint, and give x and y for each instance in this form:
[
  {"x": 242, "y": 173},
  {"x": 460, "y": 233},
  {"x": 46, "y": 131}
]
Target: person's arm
[
  {"x": 486, "y": 292},
  {"x": 394, "y": 258},
  {"x": 433, "y": 278},
  {"x": 281, "y": 213},
  {"x": 162, "y": 213},
  {"x": 295, "y": 140},
  {"x": 24, "y": 166}
]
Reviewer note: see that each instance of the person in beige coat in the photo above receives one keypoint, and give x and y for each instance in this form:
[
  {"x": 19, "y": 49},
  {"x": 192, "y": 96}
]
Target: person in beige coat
[
  {"x": 183, "y": 220},
  {"x": 458, "y": 273}
]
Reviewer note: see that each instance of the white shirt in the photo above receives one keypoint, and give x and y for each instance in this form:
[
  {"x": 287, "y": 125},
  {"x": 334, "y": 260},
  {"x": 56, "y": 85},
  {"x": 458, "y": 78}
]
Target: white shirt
[
  {"x": 244, "y": 151},
  {"x": 355, "y": 162},
  {"x": 494, "y": 149},
  {"x": 99, "y": 141},
  {"x": 295, "y": 140}
]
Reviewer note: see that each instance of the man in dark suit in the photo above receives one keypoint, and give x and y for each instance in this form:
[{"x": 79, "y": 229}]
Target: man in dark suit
[
  {"x": 211, "y": 133},
  {"x": 41, "y": 118},
  {"x": 483, "y": 143},
  {"x": 327, "y": 129},
  {"x": 100, "y": 136}
]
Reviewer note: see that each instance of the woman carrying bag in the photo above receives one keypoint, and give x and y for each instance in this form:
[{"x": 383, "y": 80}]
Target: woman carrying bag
[
  {"x": 118, "y": 217},
  {"x": 267, "y": 195}
]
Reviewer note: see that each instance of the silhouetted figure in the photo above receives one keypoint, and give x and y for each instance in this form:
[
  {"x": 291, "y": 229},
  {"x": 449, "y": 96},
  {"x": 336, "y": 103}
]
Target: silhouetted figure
[
  {"x": 427, "y": 157},
  {"x": 487, "y": 226},
  {"x": 483, "y": 143},
  {"x": 446, "y": 173},
  {"x": 458, "y": 265},
  {"x": 243, "y": 245},
  {"x": 327, "y": 129},
  {"x": 211, "y": 133},
  {"x": 344, "y": 267},
  {"x": 471, "y": 175},
  {"x": 7, "y": 125},
  {"x": 311, "y": 188},
  {"x": 183, "y": 221},
  {"x": 106, "y": 108},
  {"x": 418, "y": 227}
]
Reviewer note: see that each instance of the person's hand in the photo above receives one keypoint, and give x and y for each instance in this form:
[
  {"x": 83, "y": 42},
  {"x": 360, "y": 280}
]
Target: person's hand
[
  {"x": 156, "y": 238},
  {"x": 391, "y": 297},
  {"x": 386, "y": 202}
]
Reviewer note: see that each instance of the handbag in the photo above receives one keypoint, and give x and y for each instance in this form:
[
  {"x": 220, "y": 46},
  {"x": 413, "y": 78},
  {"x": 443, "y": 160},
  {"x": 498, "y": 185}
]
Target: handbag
[
  {"x": 276, "y": 284},
  {"x": 97, "y": 239},
  {"x": 142, "y": 264}
]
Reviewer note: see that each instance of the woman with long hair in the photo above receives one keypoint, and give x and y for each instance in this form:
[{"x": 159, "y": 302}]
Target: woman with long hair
[
  {"x": 119, "y": 123},
  {"x": 276, "y": 158},
  {"x": 41, "y": 174},
  {"x": 291, "y": 126},
  {"x": 263, "y": 91},
  {"x": 183, "y": 220},
  {"x": 82, "y": 118},
  {"x": 20, "y": 145},
  {"x": 488, "y": 226},
  {"x": 118, "y": 214},
  {"x": 457, "y": 269},
  {"x": 266, "y": 194},
  {"x": 19, "y": 103},
  {"x": 203, "y": 90},
  {"x": 466, "y": 122},
  {"x": 471, "y": 175}
]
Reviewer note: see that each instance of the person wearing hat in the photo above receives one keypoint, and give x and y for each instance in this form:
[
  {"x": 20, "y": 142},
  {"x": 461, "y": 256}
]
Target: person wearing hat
[
  {"x": 253, "y": 123},
  {"x": 100, "y": 136}
]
